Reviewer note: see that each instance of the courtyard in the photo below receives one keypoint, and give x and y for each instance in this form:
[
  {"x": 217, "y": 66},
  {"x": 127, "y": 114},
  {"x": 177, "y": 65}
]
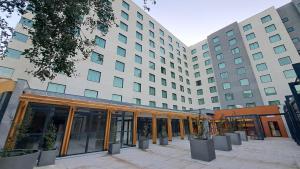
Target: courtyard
[{"x": 271, "y": 153}]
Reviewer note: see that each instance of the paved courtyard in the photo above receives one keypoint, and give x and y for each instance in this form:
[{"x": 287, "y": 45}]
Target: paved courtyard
[{"x": 272, "y": 153}]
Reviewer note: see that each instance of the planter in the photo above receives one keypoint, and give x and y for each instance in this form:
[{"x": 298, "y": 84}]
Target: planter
[
  {"x": 19, "y": 159},
  {"x": 163, "y": 141},
  {"x": 202, "y": 149},
  {"x": 243, "y": 134},
  {"x": 47, "y": 158},
  {"x": 235, "y": 138},
  {"x": 143, "y": 144},
  {"x": 114, "y": 148},
  {"x": 222, "y": 143}
]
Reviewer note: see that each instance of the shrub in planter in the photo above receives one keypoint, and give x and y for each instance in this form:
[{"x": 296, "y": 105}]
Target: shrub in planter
[
  {"x": 243, "y": 134},
  {"x": 18, "y": 159},
  {"x": 144, "y": 141},
  {"x": 115, "y": 146},
  {"x": 163, "y": 140},
  {"x": 48, "y": 152},
  {"x": 222, "y": 142}
]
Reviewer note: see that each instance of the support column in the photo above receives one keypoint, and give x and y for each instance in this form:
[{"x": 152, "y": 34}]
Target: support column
[
  {"x": 181, "y": 129},
  {"x": 11, "y": 139},
  {"x": 154, "y": 129},
  {"x": 169, "y": 128},
  {"x": 66, "y": 139},
  {"x": 134, "y": 134},
  {"x": 107, "y": 129},
  {"x": 191, "y": 125}
]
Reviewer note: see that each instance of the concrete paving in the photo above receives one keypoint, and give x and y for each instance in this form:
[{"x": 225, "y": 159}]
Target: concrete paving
[{"x": 272, "y": 153}]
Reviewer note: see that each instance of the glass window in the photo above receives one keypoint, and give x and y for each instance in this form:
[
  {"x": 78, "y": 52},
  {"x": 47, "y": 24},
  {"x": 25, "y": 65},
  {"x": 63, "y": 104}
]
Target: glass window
[
  {"x": 238, "y": 60},
  {"x": 151, "y": 54},
  {"x": 197, "y": 74},
  {"x": 138, "y": 47},
  {"x": 97, "y": 58},
  {"x": 289, "y": 74},
  {"x": 152, "y": 65},
  {"x": 261, "y": 67},
  {"x": 200, "y": 92},
  {"x": 165, "y": 106},
  {"x": 152, "y": 91},
  {"x": 244, "y": 82},
  {"x": 285, "y": 19},
  {"x": 241, "y": 70},
  {"x": 139, "y": 25},
  {"x": 274, "y": 102},
  {"x": 230, "y": 33},
  {"x": 254, "y": 46},
  {"x": 229, "y": 96},
  {"x": 137, "y": 101},
  {"x": 125, "y": 5},
  {"x": 235, "y": 51},
  {"x": 151, "y": 44},
  {"x": 196, "y": 66},
  {"x": 209, "y": 71},
  {"x": 216, "y": 40},
  {"x": 250, "y": 36},
  {"x": 139, "y": 15},
  {"x": 12, "y": 53},
  {"x": 221, "y": 65},
  {"x": 172, "y": 65},
  {"x": 124, "y": 15},
  {"x": 247, "y": 94},
  {"x": 151, "y": 34},
  {"x": 57, "y": 88},
  {"x": 151, "y": 77},
  {"x": 296, "y": 40},
  {"x": 211, "y": 80},
  {"x": 213, "y": 89},
  {"x": 257, "y": 56},
  {"x": 224, "y": 75},
  {"x": 270, "y": 28},
  {"x": 198, "y": 83},
  {"x": 162, "y": 50},
  {"x": 94, "y": 76},
  {"x": 207, "y": 62},
  {"x": 122, "y": 38},
  {"x": 162, "y": 60},
  {"x": 100, "y": 42},
  {"x": 123, "y": 26},
  {"x": 247, "y": 27},
  {"x": 174, "y": 96},
  {"x": 162, "y": 41},
  {"x": 284, "y": 61},
  {"x": 194, "y": 59},
  {"x": 275, "y": 38},
  {"x": 206, "y": 55},
  {"x": 232, "y": 42},
  {"x": 90, "y": 93},
  {"x": 194, "y": 51},
  {"x": 116, "y": 97},
  {"x": 173, "y": 85},
  {"x": 201, "y": 101},
  {"x": 220, "y": 56},
  {"x": 152, "y": 103},
  {"x": 138, "y": 35},
  {"x": 138, "y": 59},
  {"x": 270, "y": 91},
  {"x": 26, "y": 22},
  {"x": 151, "y": 24},
  {"x": 119, "y": 66},
  {"x": 121, "y": 51},
  {"x": 218, "y": 48},
  {"x": 279, "y": 49},
  {"x": 266, "y": 19},
  {"x": 173, "y": 75},
  {"x": 163, "y": 82},
  {"x": 226, "y": 86},
  {"x": 163, "y": 70},
  {"x": 137, "y": 87},
  {"x": 137, "y": 72},
  {"x": 164, "y": 94},
  {"x": 161, "y": 32},
  {"x": 170, "y": 38},
  {"x": 253, "y": 104},
  {"x": 266, "y": 78},
  {"x": 205, "y": 46},
  {"x": 6, "y": 72},
  {"x": 290, "y": 29},
  {"x": 215, "y": 99},
  {"x": 170, "y": 47},
  {"x": 20, "y": 37}
]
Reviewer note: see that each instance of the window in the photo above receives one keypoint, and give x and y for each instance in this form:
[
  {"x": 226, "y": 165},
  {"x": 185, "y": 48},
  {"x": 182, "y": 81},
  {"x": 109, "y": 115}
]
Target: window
[
  {"x": 241, "y": 71},
  {"x": 152, "y": 65},
  {"x": 218, "y": 48},
  {"x": 97, "y": 58},
  {"x": 164, "y": 94},
  {"x": 172, "y": 65},
  {"x": 213, "y": 89},
  {"x": 90, "y": 93},
  {"x": 152, "y": 103},
  {"x": 137, "y": 101},
  {"x": 207, "y": 62},
  {"x": 290, "y": 29},
  {"x": 279, "y": 49},
  {"x": 137, "y": 72},
  {"x": 284, "y": 61},
  {"x": 189, "y": 91},
  {"x": 216, "y": 40},
  {"x": 205, "y": 46},
  {"x": 173, "y": 75},
  {"x": 226, "y": 86},
  {"x": 274, "y": 102},
  {"x": 206, "y": 55},
  {"x": 118, "y": 82},
  {"x": 175, "y": 107},
  {"x": 247, "y": 27},
  {"x": 125, "y": 5},
  {"x": 232, "y": 42},
  {"x": 100, "y": 42},
  {"x": 94, "y": 76},
  {"x": 238, "y": 60},
  {"x": 151, "y": 77},
  {"x": 163, "y": 82},
  {"x": 164, "y": 105},
  {"x": 285, "y": 19},
  {"x": 119, "y": 66},
  {"x": 230, "y": 33},
  {"x": 224, "y": 75},
  {"x": 162, "y": 50},
  {"x": 26, "y": 22},
  {"x": 257, "y": 56},
  {"x": 265, "y": 78},
  {"x": 174, "y": 96},
  {"x": 152, "y": 91},
  {"x": 198, "y": 83},
  {"x": 20, "y": 37},
  {"x": 194, "y": 59},
  {"x": 123, "y": 26},
  {"x": 250, "y": 36},
  {"x": 296, "y": 40},
  {"x": 221, "y": 65},
  {"x": 179, "y": 69},
  {"x": 173, "y": 85},
  {"x": 261, "y": 67},
  {"x": 220, "y": 56},
  {"x": 6, "y": 72},
  {"x": 197, "y": 74},
  {"x": 57, "y": 88},
  {"x": 194, "y": 51},
  {"x": 229, "y": 96},
  {"x": 253, "y": 104},
  {"x": 200, "y": 92},
  {"x": 139, "y": 25},
  {"x": 275, "y": 38},
  {"x": 151, "y": 24},
  {"x": 209, "y": 71},
  {"x": 12, "y": 53},
  {"x": 211, "y": 80},
  {"x": 139, "y": 15},
  {"x": 215, "y": 99},
  {"x": 289, "y": 74},
  {"x": 138, "y": 59},
  {"x": 151, "y": 34},
  {"x": 170, "y": 38},
  {"x": 151, "y": 44},
  {"x": 170, "y": 47},
  {"x": 124, "y": 15},
  {"x": 161, "y": 32},
  {"x": 270, "y": 91},
  {"x": 137, "y": 87},
  {"x": 162, "y": 60},
  {"x": 121, "y": 51},
  {"x": 163, "y": 70},
  {"x": 182, "y": 99},
  {"x": 122, "y": 38},
  {"x": 151, "y": 54},
  {"x": 244, "y": 82},
  {"x": 196, "y": 66},
  {"x": 254, "y": 46},
  {"x": 116, "y": 97},
  {"x": 235, "y": 51},
  {"x": 139, "y": 36},
  {"x": 266, "y": 19},
  {"x": 247, "y": 94},
  {"x": 138, "y": 47},
  {"x": 161, "y": 40},
  {"x": 201, "y": 101},
  {"x": 270, "y": 28}
]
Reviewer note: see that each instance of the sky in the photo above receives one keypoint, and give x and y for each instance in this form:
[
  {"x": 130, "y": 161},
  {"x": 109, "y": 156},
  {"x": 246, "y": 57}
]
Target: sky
[{"x": 193, "y": 20}]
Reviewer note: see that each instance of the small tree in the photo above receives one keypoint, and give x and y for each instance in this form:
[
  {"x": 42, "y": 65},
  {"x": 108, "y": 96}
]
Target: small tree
[
  {"x": 49, "y": 138},
  {"x": 164, "y": 133}
]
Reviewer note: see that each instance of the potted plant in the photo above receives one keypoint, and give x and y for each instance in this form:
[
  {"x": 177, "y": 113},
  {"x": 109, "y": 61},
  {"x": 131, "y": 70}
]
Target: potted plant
[
  {"x": 115, "y": 146},
  {"x": 144, "y": 141},
  {"x": 163, "y": 140},
  {"x": 235, "y": 138},
  {"x": 221, "y": 141},
  {"x": 48, "y": 152},
  {"x": 202, "y": 147}
]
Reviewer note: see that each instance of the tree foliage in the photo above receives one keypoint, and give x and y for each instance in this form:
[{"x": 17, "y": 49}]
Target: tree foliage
[{"x": 58, "y": 31}]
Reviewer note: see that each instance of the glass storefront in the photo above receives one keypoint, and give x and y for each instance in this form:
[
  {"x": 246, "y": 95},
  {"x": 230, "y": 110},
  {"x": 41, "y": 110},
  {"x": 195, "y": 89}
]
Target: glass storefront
[
  {"x": 144, "y": 122},
  {"x": 186, "y": 127},
  {"x": 175, "y": 128},
  {"x": 162, "y": 124},
  {"x": 4, "y": 99}
]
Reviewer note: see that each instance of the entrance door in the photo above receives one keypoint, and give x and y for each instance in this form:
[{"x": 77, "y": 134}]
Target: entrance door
[{"x": 274, "y": 128}]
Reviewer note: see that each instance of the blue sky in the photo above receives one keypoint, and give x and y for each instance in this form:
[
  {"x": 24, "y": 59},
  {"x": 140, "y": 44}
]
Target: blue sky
[{"x": 193, "y": 20}]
